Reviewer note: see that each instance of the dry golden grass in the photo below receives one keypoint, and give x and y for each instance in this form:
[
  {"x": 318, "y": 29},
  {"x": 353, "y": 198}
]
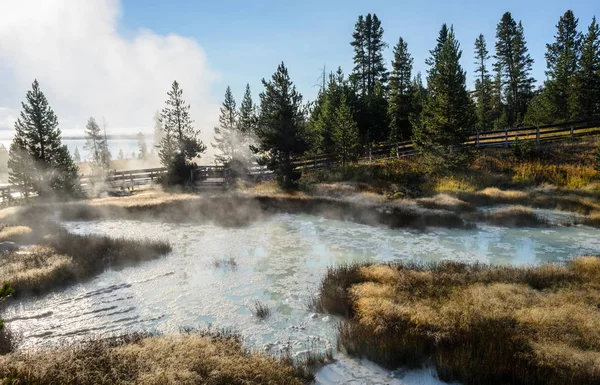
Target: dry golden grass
[
  {"x": 33, "y": 267},
  {"x": 162, "y": 359},
  {"x": 145, "y": 199},
  {"x": 476, "y": 324},
  {"x": 59, "y": 257},
  {"x": 592, "y": 220},
  {"x": 13, "y": 233},
  {"x": 454, "y": 184},
  {"x": 563, "y": 175},
  {"x": 515, "y": 216},
  {"x": 445, "y": 202}
]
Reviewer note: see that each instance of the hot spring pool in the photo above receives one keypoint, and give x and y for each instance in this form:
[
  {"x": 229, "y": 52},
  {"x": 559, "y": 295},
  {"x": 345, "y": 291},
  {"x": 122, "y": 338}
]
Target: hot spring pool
[{"x": 280, "y": 261}]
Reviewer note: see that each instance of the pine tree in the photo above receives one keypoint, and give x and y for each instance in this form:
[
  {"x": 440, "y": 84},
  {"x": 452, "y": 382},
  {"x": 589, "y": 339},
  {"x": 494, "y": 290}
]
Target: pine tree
[
  {"x": 539, "y": 109},
  {"x": 448, "y": 114},
  {"x": 441, "y": 40},
  {"x": 180, "y": 144},
  {"x": 227, "y": 136},
  {"x": 282, "y": 127},
  {"x": 247, "y": 115},
  {"x": 142, "y": 147},
  {"x": 400, "y": 103},
  {"x": 589, "y": 73},
  {"x": 483, "y": 85},
  {"x": 562, "y": 58},
  {"x": 359, "y": 72},
  {"x": 38, "y": 160},
  {"x": 106, "y": 156},
  {"x": 158, "y": 130},
  {"x": 377, "y": 109},
  {"x": 345, "y": 134},
  {"x": 77, "y": 155},
  {"x": 419, "y": 94},
  {"x": 96, "y": 146},
  {"x": 20, "y": 166},
  {"x": 498, "y": 113},
  {"x": 513, "y": 63},
  {"x": 315, "y": 137},
  {"x": 370, "y": 78},
  {"x": 324, "y": 121},
  {"x": 121, "y": 156}
]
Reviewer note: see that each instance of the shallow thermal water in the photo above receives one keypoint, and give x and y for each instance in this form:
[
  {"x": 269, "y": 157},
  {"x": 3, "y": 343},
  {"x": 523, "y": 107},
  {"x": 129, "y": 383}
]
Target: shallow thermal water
[{"x": 280, "y": 261}]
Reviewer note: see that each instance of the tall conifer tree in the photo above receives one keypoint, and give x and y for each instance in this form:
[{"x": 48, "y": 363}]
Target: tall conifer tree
[
  {"x": 228, "y": 138},
  {"x": 96, "y": 146},
  {"x": 247, "y": 115},
  {"x": 513, "y": 63},
  {"x": 562, "y": 58},
  {"x": 281, "y": 130},
  {"x": 400, "y": 103},
  {"x": 589, "y": 73},
  {"x": 38, "y": 160},
  {"x": 345, "y": 134},
  {"x": 370, "y": 78},
  {"x": 448, "y": 114},
  {"x": 180, "y": 144},
  {"x": 483, "y": 85}
]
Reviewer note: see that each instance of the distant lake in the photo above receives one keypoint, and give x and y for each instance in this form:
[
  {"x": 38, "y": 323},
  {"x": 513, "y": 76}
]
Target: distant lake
[
  {"x": 128, "y": 146},
  {"x": 114, "y": 145}
]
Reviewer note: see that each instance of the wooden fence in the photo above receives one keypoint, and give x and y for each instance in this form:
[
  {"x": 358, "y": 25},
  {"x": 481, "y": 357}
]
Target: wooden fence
[
  {"x": 483, "y": 139},
  {"x": 216, "y": 176}
]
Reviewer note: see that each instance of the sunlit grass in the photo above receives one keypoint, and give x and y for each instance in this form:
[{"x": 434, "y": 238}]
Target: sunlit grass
[
  {"x": 34, "y": 268},
  {"x": 479, "y": 324},
  {"x": 14, "y": 233},
  {"x": 188, "y": 358}
]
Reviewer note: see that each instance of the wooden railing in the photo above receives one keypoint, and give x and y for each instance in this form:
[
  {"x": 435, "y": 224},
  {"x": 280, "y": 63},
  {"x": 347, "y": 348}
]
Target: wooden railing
[
  {"x": 483, "y": 139},
  {"x": 216, "y": 176}
]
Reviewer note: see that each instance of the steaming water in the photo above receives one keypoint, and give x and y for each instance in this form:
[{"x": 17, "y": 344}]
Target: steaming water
[{"x": 280, "y": 261}]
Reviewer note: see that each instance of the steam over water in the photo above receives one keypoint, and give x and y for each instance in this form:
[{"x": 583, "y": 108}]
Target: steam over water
[{"x": 280, "y": 261}]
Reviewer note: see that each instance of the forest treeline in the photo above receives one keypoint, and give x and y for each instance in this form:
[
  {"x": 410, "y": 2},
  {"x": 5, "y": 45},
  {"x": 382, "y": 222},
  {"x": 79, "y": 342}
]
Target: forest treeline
[{"x": 375, "y": 103}]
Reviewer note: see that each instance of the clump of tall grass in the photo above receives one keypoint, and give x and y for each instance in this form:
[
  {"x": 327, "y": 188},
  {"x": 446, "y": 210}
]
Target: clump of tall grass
[
  {"x": 592, "y": 220},
  {"x": 59, "y": 257},
  {"x": 14, "y": 233},
  {"x": 446, "y": 202},
  {"x": 538, "y": 172},
  {"x": 35, "y": 269},
  {"x": 225, "y": 262},
  {"x": 261, "y": 310},
  {"x": 475, "y": 323},
  {"x": 515, "y": 216},
  {"x": 185, "y": 358}
]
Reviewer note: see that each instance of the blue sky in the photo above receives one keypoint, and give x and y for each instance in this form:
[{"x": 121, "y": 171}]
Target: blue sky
[{"x": 244, "y": 41}]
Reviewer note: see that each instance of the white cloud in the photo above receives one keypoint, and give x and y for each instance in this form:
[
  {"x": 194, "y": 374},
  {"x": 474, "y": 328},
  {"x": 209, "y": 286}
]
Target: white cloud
[{"x": 87, "y": 68}]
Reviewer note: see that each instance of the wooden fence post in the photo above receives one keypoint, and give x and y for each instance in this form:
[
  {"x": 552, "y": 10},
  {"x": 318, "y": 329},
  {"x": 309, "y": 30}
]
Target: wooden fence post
[
  {"x": 506, "y": 138},
  {"x": 477, "y": 140},
  {"x": 537, "y": 135},
  {"x": 572, "y": 133}
]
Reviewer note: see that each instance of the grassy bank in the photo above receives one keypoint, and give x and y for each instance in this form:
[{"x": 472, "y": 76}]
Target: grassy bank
[
  {"x": 50, "y": 257},
  {"x": 243, "y": 209},
  {"x": 560, "y": 176},
  {"x": 476, "y": 324},
  {"x": 568, "y": 166},
  {"x": 187, "y": 358}
]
